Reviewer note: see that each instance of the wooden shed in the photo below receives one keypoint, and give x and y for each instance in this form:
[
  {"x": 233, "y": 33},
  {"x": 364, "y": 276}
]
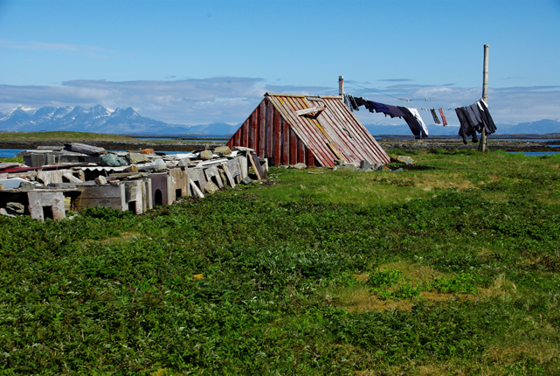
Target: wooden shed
[{"x": 315, "y": 130}]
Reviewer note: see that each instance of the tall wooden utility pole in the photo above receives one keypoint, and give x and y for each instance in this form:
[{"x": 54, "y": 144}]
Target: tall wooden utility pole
[
  {"x": 482, "y": 144},
  {"x": 340, "y": 85}
]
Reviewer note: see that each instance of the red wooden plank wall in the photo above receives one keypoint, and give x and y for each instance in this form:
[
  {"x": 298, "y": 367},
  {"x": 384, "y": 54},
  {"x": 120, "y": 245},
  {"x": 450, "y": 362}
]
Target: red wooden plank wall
[
  {"x": 277, "y": 138},
  {"x": 269, "y": 134},
  {"x": 269, "y": 151}
]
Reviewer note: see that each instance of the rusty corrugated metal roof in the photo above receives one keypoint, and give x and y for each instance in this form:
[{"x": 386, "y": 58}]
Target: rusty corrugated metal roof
[{"x": 328, "y": 128}]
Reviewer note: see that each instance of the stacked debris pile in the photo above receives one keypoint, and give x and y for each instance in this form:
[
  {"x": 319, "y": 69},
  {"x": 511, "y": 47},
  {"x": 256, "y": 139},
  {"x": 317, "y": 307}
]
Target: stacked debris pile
[{"x": 55, "y": 180}]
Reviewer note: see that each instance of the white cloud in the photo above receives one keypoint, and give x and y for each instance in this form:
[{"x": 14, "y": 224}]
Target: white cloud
[{"x": 232, "y": 99}]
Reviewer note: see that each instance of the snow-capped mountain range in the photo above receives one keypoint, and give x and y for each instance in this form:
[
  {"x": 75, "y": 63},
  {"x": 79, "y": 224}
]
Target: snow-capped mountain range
[{"x": 99, "y": 119}]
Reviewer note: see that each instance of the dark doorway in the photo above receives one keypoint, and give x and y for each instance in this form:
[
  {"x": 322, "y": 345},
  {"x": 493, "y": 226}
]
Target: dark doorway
[
  {"x": 158, "y": 198},
  {"x": 47, "y": 212},
  {"x": 132, "y": 206}
]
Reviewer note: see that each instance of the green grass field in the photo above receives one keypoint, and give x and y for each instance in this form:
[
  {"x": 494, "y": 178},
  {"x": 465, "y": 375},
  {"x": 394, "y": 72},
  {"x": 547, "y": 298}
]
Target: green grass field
[{"x": 450, "y": 268}]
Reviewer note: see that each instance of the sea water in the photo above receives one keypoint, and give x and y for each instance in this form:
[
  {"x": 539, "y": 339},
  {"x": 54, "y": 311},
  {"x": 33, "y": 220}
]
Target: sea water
[{"x": 11, "y": 153}]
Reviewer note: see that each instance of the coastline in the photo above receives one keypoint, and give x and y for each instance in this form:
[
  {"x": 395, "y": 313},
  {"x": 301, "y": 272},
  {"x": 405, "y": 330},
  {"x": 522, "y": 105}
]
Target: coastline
[{"x": 387, "y": 143}]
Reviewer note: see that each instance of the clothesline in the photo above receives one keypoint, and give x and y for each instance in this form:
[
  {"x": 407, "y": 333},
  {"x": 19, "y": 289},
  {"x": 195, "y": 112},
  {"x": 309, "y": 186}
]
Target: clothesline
[
  {"x": 472, "y": 118},
  {"x": 408, "y": 99}
]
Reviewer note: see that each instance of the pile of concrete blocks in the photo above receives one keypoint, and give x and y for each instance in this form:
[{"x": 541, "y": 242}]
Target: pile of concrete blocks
[{"x": 135, "y": 181}]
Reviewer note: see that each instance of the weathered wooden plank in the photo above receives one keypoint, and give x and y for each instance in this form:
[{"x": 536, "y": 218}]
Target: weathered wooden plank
[
  {"x": 277, "y": 125},
  {"x": 51, "y": 176},
  {"x": 305, "y": 111},
  {"x": 195, "y": 189},
  {"x": 6, "y": 165},
  {"x": 254, "y": 159},
  {"x": 310, "y": 158},
  {"x": 235, "y": 169},
  {"x": 147, "y": 192},
  {"x": 301, "y": 152},
  {"x": 269, "y": 136},
  {"x": 285, "y": 143},
  {"x": 171, "y": 194},
  {"x": 108, "y": 195},
  {"x": 179, "y": 181},
  {"x": 254, "y": 138},
  {"x": 293, "y": 147},
  {"x": 85, "y": 149},
  {"x": 212, "y": 172},
  {"x": 71, "y": 178},
  {"x": 245, "y": 132},
  {"x": 261, "y": 128},
  {"x": 197, "y": 175},
  {"x": 228, "y": 174}
]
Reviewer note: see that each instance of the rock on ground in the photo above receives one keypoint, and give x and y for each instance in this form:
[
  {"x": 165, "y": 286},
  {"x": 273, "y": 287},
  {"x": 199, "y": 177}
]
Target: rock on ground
[
  {"x": 222, "y": 150},
  {"x": 134, "y": 158},
  {"x": 184, "y": 162},
  {"x": 159, "y": 165},
  {"x": 211, "y": 188},
  {"x": 299, "y": 166},
  {"x": 112, "y": 160},
  {"x": 404, "y": 159},
  {"x": 206, "y": 155}
]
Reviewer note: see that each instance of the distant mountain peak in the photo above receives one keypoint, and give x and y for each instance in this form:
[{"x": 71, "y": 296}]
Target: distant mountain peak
[
  {"x": 99, "y": 119},
  {"x": 127, "y": 112}
]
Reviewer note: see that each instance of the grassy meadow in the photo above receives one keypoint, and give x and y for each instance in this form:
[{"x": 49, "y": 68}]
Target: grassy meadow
[{"x": 449, "y": 267}]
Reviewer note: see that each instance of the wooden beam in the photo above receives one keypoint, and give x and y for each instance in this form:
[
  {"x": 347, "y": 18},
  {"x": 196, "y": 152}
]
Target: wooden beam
[
  {"x": 196, "y": 189},
  {"x": 311, "y": 110},
  {"x": 228, "y": 174},
  {"x": 254, "y": 165},
  {"x": 85, "y": 149}
]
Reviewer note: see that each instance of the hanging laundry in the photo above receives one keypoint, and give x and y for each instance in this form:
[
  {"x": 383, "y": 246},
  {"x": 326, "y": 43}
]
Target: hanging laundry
[
  {"x": 466, "y": 128},
  {"x": 473, "y": 114},
  {"x": 380, "y": 107},
  {"x": 362, "y": 102},
  {"x": 486, "y": 117},
  {"x": 472, "y": 118},
  {"x": 377, "y": 107},
  {"x": 434, "y": 115},
  {"x": 422, "y": 124},
  {"x": 443, "y": 117},
  {"x": 351, "y": 102},
  {"x": 395, "y": 111},
  {"x": 414, "y": 122}
]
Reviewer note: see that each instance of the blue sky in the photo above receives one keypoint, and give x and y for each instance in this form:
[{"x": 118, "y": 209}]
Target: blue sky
[{"x": 195, "y": 62}]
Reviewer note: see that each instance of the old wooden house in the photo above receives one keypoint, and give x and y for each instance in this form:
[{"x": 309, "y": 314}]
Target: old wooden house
[{"x": 315, "y": 130}]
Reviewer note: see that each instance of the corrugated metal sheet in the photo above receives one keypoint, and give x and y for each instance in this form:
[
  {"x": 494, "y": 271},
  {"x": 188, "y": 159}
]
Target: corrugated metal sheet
[{"x": 315, "y": 130}]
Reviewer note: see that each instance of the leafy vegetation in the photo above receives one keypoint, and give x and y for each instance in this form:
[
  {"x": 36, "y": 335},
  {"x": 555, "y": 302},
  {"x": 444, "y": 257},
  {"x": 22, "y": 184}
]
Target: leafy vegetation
[
  {"x": 449, "y": 270},
  {"x": 14, "y": 159}
]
